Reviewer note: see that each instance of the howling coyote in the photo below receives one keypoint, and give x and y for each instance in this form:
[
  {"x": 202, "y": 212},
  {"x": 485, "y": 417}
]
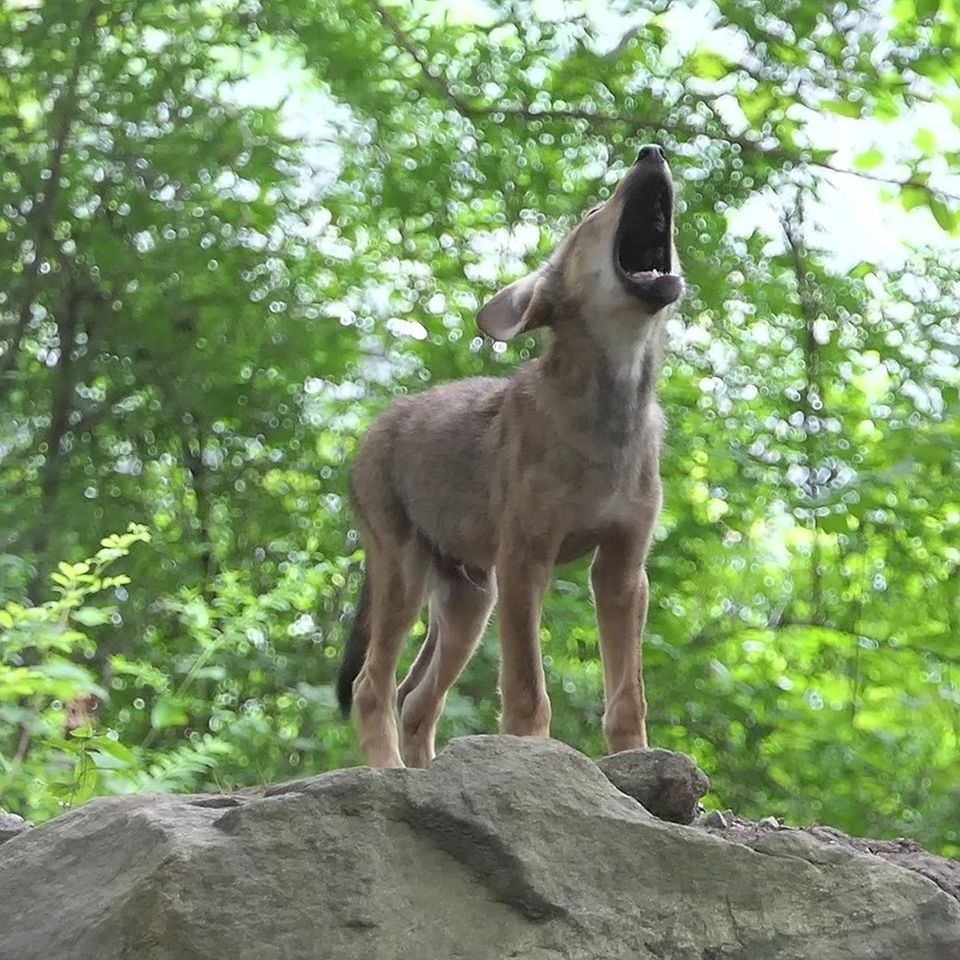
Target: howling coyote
[{"x": 478, "y": 488}]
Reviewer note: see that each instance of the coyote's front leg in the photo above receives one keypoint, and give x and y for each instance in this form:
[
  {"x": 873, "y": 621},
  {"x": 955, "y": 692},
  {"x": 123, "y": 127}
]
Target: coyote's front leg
[
  {"x": 621, "y": 589},
  {"x": 522, "y": 582}
]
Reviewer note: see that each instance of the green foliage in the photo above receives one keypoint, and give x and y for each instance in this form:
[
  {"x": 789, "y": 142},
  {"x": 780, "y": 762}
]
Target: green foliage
[
  {"x": 77, "y": 737},
  {"x": 45, "y": 664},
  {"x": 230, "y": 232}
]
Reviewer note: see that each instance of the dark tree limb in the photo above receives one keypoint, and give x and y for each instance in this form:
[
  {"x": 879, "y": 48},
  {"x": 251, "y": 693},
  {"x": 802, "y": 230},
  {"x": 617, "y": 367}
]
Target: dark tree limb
[
  {"x": 64, "y": 115},
  {"x": 811, "y": 392}
]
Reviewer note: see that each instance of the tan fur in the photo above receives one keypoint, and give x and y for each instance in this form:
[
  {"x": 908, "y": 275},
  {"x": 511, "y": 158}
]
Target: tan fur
[{"x": 480, "y": 487}]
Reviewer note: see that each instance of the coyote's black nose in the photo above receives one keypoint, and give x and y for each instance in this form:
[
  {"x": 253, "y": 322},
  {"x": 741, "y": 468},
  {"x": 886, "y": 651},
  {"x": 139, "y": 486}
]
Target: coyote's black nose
[{"x": 651, "y": 153}]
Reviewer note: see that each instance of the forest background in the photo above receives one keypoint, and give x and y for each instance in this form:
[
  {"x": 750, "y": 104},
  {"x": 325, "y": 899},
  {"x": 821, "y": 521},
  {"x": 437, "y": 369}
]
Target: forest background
[{"x": 231, "y": 231}]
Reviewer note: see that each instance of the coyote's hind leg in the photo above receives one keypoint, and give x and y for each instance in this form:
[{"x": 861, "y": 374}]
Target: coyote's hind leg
[
  {"x": 397, "y": 582},
  {"x": 459, "y": 610},
  {"x": 419, "y": 666}
]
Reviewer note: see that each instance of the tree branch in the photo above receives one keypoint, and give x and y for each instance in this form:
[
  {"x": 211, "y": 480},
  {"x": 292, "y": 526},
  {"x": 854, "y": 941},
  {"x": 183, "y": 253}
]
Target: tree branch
[
  {"x": 682, "y": 131},
  {"x": 810, "y": 395},
  {"x": 435, "y": 78},
  {"x": 64, "y": 110}
]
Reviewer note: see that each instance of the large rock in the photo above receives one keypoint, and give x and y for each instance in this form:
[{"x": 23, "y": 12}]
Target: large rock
[
  {"x": 504, "y": 848},
  {"x": 669, "y": 785},
  {"x": 12, "y": 826}
]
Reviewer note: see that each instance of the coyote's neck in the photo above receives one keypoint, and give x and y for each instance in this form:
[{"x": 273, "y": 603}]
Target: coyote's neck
[
  {"x": 605, "y": 398},
  {"x": 613, "y": 367}
]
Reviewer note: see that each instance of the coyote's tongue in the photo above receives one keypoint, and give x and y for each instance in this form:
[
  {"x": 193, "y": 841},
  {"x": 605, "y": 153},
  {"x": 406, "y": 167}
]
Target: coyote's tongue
[{"x": 656, "y": 288}]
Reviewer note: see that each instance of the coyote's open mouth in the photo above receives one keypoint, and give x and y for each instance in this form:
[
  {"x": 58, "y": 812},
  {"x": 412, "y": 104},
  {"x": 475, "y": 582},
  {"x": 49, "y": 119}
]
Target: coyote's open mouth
[{"x": 643, "y": 249}]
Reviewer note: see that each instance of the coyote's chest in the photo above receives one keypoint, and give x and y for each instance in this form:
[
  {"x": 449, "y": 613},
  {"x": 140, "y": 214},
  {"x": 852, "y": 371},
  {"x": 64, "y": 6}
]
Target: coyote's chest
[{"x": 602, "y": 502}]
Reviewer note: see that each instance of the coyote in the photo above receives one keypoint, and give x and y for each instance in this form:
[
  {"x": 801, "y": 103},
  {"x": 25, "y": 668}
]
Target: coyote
[{"x": 479, "y": 487}]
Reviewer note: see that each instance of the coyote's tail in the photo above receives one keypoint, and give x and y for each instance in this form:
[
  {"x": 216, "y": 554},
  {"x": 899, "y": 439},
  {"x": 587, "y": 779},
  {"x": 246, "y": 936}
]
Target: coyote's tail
[{"x": 355, "y": 651}]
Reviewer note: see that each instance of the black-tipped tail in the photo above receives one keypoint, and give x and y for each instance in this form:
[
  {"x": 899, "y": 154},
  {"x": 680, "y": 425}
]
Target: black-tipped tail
[{"x": 355, "y": 652}]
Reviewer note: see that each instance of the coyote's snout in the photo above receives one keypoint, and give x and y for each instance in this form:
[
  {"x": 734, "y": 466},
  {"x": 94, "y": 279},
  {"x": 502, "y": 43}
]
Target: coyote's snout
[{"x": 480, "y": 487}]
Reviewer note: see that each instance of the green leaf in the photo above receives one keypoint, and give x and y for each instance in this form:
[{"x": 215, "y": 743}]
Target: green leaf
[
  {"x": 887, "y": 107},
  {"x": 85, "y": 781},
  {"x": 925, "y": 141},
  {"x": 74, "y": 747},
  {"x": 168, "y": 712},
  {"x": 104, "y": 760},
  {"x": 113, "y": 747},
  {"x": 904, "y": 11},
  {"x": 93, "y": 616},
  {"x": 843, "y": 108},
  {"x": 834, "y": 523},
  {"x": 869, "y": 160},
  {"x": 710, "y": 65},
  {"x": 912, "y": 197},
  {"x": 945, "y": 217}
]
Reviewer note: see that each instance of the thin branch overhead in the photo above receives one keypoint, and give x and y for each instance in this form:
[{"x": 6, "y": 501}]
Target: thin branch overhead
[{"x": 630, "y": 122}]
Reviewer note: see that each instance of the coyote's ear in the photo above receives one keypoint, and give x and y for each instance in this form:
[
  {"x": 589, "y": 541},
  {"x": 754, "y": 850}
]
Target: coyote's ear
[{"x": 517, "y": 307}]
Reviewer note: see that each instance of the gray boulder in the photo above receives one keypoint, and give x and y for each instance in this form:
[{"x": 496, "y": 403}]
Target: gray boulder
[
  {"x": 667, "y": 784},
  {"x": 504, "y": 848},
  {"x": 12, "y": 826}
]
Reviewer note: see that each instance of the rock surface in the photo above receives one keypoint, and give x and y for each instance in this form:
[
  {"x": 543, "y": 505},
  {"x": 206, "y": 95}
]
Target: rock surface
[
  {"x": 905, "y": 853},
  {"x": 504, "y": 848},
  {"x": 667, "y": 784},
  {"x": 12, "y": 826}
]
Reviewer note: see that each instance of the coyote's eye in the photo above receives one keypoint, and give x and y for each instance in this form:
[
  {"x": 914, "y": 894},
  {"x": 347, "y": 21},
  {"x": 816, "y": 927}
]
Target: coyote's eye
[{"x": 596, "y": 209}]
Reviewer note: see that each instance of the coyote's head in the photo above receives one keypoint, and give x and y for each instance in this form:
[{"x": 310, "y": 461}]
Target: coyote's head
[{"x": 618, "y": 262}]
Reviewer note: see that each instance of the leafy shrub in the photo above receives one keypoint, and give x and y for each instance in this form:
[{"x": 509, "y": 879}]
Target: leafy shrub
[
  {"x": 52, "y": 756},
  {"x": 213, "y": 701}
]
